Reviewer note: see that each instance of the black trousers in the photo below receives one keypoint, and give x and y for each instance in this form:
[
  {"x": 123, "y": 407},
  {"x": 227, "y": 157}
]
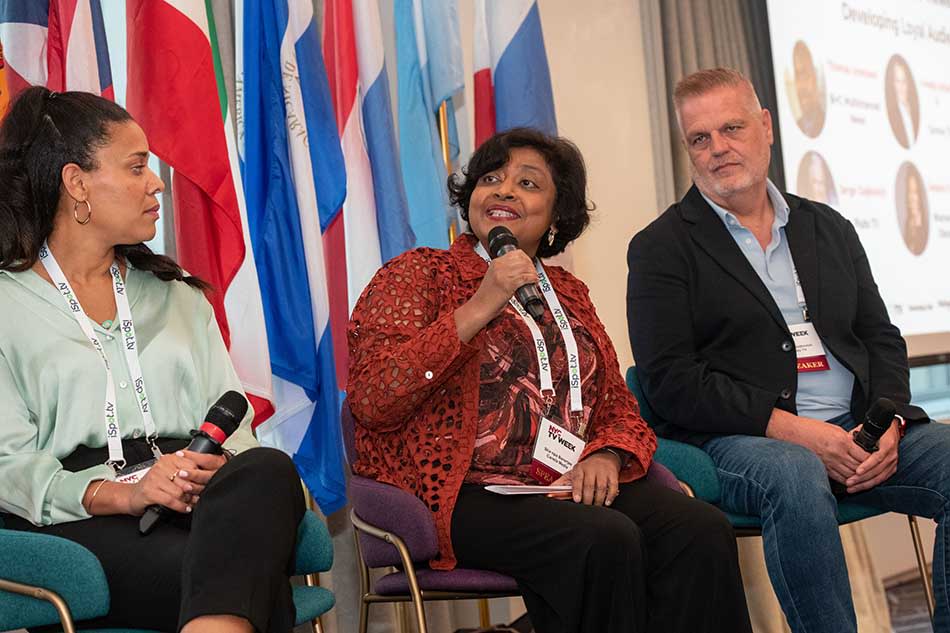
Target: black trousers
[
  {"x": 655, "y": 561},
  {"x": 232, "y": 556}
]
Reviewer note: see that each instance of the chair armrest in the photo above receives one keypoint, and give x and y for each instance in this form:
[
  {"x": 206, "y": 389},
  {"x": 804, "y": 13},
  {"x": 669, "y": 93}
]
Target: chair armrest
[
  {"x": 691, "y": 465},
  {"x": 661, "y": 475},
  {"x": 314, "y": 546},
  {"x": 53, "y": 563},
  {"x": 396, "y": 511}
]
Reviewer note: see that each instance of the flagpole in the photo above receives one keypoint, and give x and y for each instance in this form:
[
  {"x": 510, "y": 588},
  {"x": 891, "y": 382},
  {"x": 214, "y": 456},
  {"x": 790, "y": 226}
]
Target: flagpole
[{"x": 446, "y": 153}]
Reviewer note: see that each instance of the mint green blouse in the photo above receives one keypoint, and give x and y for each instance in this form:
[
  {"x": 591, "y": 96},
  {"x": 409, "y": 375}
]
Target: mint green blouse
[{"x": 52, "y": 385}]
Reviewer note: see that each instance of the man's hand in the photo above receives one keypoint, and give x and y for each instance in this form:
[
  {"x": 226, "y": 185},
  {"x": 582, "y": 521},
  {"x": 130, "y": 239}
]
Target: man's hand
[
  {"x": 879, "y": 467},
  {"x": 594, "y": 480},
  {"x": 834, "y": 446}
]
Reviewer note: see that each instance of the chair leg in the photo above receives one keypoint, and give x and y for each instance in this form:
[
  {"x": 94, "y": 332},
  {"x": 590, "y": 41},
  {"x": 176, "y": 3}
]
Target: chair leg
[
  {"x": 364, "y": 615},
  {"x": 62, "y": 609},
  {"x": 484, "y": 614},
  {"x": 922, "y": 564},
  {"x": 416, "y": 593},
  {"x": 406, "y": 560},
  {"x": 313, "y": 580}
]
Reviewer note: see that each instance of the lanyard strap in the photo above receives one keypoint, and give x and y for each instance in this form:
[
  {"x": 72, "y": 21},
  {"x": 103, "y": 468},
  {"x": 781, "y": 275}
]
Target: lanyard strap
[
  {"x": 130, "y": 345},
  {"x": 541, "y": 348},
  {"x": 799, "y": 293}
]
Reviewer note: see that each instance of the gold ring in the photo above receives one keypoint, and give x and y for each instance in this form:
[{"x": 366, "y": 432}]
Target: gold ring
[{"x": 172, "y": 476}]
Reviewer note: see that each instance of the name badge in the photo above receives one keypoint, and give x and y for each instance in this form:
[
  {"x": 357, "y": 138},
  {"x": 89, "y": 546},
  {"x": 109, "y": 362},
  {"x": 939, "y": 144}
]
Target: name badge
[
  {"x": 556, "y": 450},
  {"x": 133, "y": 474},
  {"x": 809, "y": 351}
]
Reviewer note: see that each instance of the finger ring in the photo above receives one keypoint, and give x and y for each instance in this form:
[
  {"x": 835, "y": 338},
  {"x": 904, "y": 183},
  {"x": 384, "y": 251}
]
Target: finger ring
[{"x": 172, "y": 476}]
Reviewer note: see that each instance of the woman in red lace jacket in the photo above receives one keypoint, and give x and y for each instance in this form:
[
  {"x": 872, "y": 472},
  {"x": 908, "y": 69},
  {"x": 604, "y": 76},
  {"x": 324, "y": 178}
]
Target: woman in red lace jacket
[{"x": 455, "y": 387}]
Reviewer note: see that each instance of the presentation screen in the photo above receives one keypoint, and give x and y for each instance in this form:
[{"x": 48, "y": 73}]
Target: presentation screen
[{"x": 863, "y": 107}]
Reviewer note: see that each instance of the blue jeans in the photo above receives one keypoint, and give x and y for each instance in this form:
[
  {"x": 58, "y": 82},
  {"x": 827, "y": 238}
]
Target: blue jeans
[{"x": 786, "y": 485}]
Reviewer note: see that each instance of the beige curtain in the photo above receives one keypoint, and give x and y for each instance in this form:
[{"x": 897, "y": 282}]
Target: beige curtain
[{"x": 680, "y": 37}]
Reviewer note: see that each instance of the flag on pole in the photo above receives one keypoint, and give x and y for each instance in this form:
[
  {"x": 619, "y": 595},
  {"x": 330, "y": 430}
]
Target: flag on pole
[
  {"x": 176, "y": 93},
  {"x": 361, "y": 236},
  {"x": 443, "y": 45},
  {"x": 23, "y": 29},
  {"x": 512, "y": 80},
  {"x": 60, "y": 44},
  {"x": 392, "y": 208},
  {"x": 295, "y": 181},
  {"x": 420, "y": 149},
  {"x": 77, "y": 36}
]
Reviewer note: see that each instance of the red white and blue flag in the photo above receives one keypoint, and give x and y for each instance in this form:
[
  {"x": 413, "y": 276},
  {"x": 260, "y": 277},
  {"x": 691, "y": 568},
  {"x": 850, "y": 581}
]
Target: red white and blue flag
[
  {"x": 512, "y": 80},
  {"x": 60, "y": 44},
  {"x": 392, "y": 209},
  {"x": 374, "y": 217},
  {"x": 295, "y": 183}
]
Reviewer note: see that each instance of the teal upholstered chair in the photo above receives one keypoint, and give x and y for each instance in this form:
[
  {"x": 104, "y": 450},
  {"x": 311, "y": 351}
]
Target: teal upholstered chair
[
  {"x": 48, "y": 580},
  {"x": 697, "y": 474}
]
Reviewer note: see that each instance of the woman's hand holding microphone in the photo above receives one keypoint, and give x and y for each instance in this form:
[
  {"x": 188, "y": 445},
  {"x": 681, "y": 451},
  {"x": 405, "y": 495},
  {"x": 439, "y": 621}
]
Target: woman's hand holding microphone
[
  {"x": 505, "y": 275},
  {"x": 175, "y": 481}
]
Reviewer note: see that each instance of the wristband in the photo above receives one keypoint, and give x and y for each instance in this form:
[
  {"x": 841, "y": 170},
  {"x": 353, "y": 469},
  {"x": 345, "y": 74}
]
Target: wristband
[
  {"x": 92, "y": 499},
  {"x": 623, "y": 456}
]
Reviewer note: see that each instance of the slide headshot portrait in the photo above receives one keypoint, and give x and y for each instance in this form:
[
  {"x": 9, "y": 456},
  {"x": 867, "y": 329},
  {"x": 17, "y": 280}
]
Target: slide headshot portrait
[
  {"x": 806, "y": 91},
  {"x": 815, "y": 181},
  {"x": 903, "y": 106},
  {"x": 912, "y": 210}
]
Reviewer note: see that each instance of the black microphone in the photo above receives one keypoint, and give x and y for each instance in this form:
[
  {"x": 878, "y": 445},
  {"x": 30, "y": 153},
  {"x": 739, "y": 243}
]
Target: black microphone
[
  {"x": 876, "y": 422},
  {"x": 222, "y": 419},
  {"x": 501, "y": 241},
  {"x": 878, "y": 419}
]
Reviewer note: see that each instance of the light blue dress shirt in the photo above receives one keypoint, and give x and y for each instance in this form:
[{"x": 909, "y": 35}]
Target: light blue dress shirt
[{"x": 821, "y": 394}]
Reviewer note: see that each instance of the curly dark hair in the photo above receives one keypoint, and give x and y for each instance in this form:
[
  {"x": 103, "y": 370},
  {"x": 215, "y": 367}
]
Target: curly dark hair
[
  {"x": 571, "y": 208},
  {"x": 43, "y": 132}
]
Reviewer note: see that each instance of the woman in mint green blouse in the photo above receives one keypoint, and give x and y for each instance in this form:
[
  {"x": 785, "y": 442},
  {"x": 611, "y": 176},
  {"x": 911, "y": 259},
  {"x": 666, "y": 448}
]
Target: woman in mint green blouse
[{"x": 103, "y": 338}]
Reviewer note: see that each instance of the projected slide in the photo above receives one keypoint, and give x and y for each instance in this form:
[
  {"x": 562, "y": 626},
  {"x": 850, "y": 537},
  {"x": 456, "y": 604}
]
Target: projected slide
[{"x": 863, "y": 107}]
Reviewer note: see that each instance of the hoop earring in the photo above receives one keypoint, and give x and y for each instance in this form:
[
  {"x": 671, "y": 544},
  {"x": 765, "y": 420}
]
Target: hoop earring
[
  {"x": 88, "y": 212},
  {"x": 551, "y": 233}
]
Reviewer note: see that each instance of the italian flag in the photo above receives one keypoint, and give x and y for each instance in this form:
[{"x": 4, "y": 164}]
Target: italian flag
[{"x": 176, "y": 93}]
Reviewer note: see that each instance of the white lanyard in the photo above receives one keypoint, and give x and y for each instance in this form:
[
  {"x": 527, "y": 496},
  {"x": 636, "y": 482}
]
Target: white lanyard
[
  {"x": 541, "y": 348},
  {"x": 799, "y": 293},
  {"x": 113, "y": 432}
]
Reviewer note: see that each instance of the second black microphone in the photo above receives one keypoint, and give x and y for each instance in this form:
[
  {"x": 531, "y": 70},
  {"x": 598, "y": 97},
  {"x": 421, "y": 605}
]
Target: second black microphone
[{"x": 502, "y": 241}]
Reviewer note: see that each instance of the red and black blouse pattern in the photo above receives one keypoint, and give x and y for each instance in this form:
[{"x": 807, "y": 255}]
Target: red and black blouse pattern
[{"x": 414, "y": 386}]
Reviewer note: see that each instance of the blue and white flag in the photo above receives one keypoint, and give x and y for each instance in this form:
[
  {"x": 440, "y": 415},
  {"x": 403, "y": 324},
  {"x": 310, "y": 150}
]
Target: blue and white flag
[{"x": 295, "y": 183}]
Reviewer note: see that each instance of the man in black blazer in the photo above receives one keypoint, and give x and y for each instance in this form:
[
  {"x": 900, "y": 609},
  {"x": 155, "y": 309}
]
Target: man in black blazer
[{"x": 771, "y": 375}]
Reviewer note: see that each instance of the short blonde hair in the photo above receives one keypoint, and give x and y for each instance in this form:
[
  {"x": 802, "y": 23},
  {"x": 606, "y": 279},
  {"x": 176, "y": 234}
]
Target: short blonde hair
[{"x": 703, "y": 81}]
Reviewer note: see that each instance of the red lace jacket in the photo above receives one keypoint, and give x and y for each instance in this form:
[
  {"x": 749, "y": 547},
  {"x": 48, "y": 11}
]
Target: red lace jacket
[{"x": 413, "y": 385}]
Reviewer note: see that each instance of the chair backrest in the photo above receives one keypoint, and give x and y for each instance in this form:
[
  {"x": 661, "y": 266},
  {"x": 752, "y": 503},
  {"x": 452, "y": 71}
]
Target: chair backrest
[
  {"x": 348, "y": 426},
  {"x": 633, "y": 384},
  {"x": 388, "y": 508}
]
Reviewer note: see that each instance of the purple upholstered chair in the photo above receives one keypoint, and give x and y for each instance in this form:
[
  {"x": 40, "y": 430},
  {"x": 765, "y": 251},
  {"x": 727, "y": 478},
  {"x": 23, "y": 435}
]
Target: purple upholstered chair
[{"x": 395, "y": 529}]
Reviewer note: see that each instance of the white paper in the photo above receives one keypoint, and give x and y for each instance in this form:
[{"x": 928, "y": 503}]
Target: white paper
[{"x": 518, "y": 489}]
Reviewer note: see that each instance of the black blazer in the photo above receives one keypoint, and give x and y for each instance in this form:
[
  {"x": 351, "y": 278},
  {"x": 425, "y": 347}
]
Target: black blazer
[{"x": 713, "y": 352}]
